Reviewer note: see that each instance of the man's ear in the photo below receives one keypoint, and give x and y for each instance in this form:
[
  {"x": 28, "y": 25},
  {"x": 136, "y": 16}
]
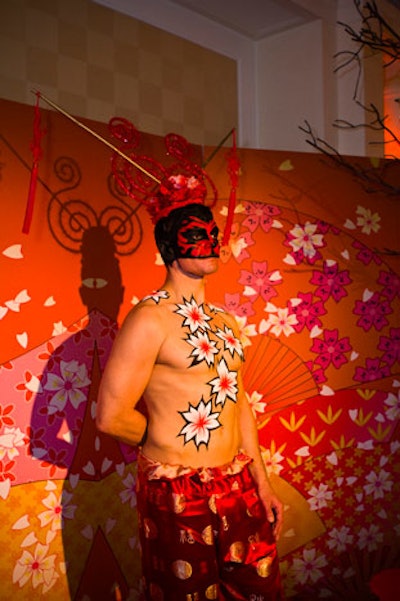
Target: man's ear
[{"x": 167, "y": 252}]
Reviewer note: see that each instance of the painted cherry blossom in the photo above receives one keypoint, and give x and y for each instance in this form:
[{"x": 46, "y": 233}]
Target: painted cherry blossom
[
  {"x": 304, "y": 241},
  {"x": 36, "y": 566},
  {"x": 194, "y": 314},
  {"x": 368, "y": 221},
  {"x": 279, "y": 321},
  {"x": 237, "y": 245},
  {"x": 331, "y": 350},
  {"x": 199, "y": 422},
  {"x": 309, "y": 567},
  {"x": 272, "y": 461},
  {"x": 67, "y": 387},
  {"x": 331, "y": 282},
  {"x": 260, "y": 282},
  {"x": 58, "y": 509},
  {"x": 204, "y": 348},
  {"x": 373, "y": 370},
  {"x": 369, "y": 538},
  {"x": 255, "y": 402},
  {"x": 259, "y": 214},
  {"x": 393, "y": 403},
  {"x": 129, "y": 493},
  {"x": 391, "y": 346},
  {"x": 10, "y": 439},
  {"x": 378, "y": 484},
  {"x": 391, "y": 284},
  {"x": 157, "y": 296},
  {"x": 231, "y": 342},
  {"x": 319, "y": 497},
  {"x": 372, "y": 311},
  {"x": 234, "y": 305},
  {"x": 340, "y": 539},
  {"x": 365, "y": 254},
  {"x": 246, "y": 330},
  {"x": 225, "y": 385},
  {"x": 307, "y": 312}
]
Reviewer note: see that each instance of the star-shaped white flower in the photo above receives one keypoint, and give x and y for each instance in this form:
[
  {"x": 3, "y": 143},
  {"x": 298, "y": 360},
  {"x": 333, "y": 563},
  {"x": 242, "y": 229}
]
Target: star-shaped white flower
[
  {"x": 225, "y": 385},
  {"x": 255, "y": 402},
  {"x": 231, "y": 342},
  {"x": 157, "y": 296},
  {"x": 194, "y": 315},
  {"x": 199, "y": 422},
  {"x": 204, "y": 348}
]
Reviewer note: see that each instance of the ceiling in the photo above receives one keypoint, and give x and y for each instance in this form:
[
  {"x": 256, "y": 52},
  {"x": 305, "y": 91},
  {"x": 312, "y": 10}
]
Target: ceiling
[{"x": 255, "y": 19}]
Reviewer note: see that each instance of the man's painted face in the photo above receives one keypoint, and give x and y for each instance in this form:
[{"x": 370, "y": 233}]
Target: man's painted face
[{"x": 197, "y": 238}]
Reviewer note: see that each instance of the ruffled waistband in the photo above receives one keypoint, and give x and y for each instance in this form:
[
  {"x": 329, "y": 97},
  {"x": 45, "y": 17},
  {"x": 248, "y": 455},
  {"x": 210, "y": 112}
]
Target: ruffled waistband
[{"x": 155, "y": 470}]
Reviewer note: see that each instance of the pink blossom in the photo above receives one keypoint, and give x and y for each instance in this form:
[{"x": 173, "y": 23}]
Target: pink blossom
[
  {"x": 366, "y": 255},
  {"x": 331, "y": 282},
  {"x": 372, "y": 312},
  {"x": 331, "y": 349},
  {"x": 233, "y": 305},
  {"x": 259, "y": 214},
  {"x": 391, "y": 283},
  {"x": 391, "y": 346},
  {"x": 373, "y": 370},
  {"x": 260, "y": 282},
  {"x": 307, "y": 312}
]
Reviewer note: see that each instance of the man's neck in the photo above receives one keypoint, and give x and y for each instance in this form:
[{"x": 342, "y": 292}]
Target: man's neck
[{"x": 181, "y": 286}]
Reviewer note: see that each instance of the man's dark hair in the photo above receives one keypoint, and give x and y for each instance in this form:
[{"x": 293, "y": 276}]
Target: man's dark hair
[{"x": 166, "y": 229}]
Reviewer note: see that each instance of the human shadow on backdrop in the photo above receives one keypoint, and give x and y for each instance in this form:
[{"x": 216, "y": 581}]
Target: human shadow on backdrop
[{"x": 98, "y": 496}]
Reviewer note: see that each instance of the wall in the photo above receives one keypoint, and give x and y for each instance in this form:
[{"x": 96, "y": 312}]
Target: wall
[
  {"x": 97, "y": 63},
  {"x": 310, "y": 271}
]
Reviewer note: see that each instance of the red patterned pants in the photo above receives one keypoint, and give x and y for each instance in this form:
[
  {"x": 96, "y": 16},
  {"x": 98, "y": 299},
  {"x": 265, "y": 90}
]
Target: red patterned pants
[{"x": 204, "y": 534}]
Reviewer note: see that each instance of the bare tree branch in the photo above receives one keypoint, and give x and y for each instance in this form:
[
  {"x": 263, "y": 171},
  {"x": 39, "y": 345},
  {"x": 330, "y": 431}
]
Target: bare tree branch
[{"x": 377, "y": 35}]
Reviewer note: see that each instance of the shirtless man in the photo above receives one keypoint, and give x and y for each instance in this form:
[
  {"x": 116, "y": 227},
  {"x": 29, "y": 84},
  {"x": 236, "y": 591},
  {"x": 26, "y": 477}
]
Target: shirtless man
[{"x": 208, "y": 517}]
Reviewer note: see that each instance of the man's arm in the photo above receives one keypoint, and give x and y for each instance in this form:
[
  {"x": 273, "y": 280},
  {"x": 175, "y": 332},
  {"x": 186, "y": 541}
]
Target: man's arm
[
  {"x": 250, "y": 444},
  {"x": 127, "y": 374}
]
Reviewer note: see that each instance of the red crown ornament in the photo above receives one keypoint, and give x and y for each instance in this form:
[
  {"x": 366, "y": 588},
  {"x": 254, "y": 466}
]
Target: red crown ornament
[{"x": 160, "y": 189}]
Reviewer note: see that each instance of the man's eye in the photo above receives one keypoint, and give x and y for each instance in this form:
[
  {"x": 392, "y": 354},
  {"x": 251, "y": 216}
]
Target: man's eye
[{"x": 196, "y": 235}]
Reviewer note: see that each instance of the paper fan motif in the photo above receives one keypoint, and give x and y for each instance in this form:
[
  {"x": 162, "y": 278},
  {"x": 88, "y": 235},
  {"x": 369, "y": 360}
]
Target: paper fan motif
[{"x": 276, "y": 372}]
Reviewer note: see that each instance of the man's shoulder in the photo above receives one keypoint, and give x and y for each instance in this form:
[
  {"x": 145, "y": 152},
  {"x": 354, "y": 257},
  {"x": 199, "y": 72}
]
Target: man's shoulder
[
  {"x": 147, "y": 313},
  {"x": 154, "y": 298}
]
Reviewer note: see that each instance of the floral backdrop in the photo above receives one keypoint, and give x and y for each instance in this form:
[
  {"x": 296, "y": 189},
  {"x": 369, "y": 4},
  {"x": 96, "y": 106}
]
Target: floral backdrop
[{"x": 311, "y": 271}]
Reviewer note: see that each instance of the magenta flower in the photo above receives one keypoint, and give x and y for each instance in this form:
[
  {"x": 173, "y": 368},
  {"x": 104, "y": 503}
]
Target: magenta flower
[
  {"x": 307, "y": 312},
  {"x": 391, "y": 283},
  {"x": 318, "y": 375},
  {"x": 233, "y": 305},
  {"x": 259, "y": 214},
  {"x": 261, "y": 282},
  {"x": 391, "y": 346},
  {"x": 372, "y": 313},
  {"x": 331, "y": 282},
  {"x": 331, "y": 349},
  {"x": 366, "y": 255},
  {"x": 373, "y": 370}
]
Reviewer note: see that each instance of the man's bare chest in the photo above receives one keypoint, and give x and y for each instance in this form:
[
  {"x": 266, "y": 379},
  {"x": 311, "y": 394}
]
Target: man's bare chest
[{"x": 200, "y": 337}]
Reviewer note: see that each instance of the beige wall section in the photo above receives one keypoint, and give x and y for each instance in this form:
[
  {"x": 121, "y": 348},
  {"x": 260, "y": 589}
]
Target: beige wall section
[{"x": 97, "y": 63}]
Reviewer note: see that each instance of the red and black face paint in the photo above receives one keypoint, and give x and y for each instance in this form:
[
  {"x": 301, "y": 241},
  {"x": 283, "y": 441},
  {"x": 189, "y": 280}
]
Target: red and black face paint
[
  {"x": 187, "y": 232},
  {"x": 197, "y": 238}
]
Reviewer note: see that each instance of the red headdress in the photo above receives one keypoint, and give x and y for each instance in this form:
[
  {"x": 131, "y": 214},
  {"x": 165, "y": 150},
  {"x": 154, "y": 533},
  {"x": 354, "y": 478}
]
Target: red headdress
[{"x": 160, "y": 189}]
